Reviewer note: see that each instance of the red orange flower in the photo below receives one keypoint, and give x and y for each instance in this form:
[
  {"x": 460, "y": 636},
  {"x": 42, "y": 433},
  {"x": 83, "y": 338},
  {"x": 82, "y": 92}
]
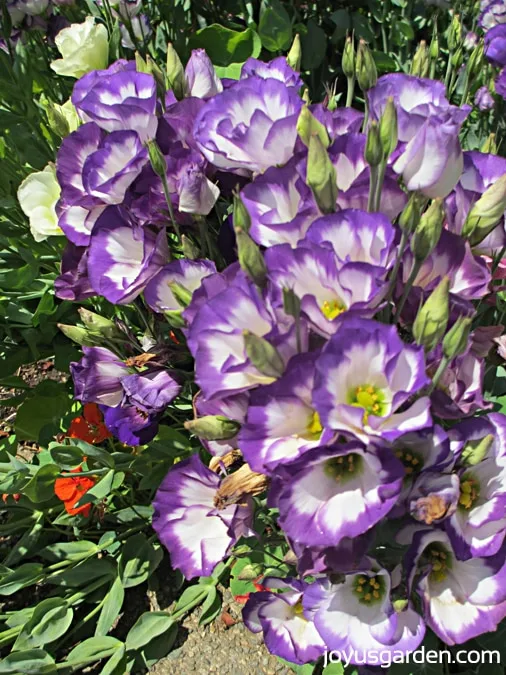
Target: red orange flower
[
  {"x": 90, "y": 426},
  {"x": 71, "y": 489}
]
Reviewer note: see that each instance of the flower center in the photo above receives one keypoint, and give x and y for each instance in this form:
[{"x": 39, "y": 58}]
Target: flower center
[
  {"x": 440, "y": 559},
  {"x": 298, "y": 610},
  {"x": 369, "y": 590},
  {"x": 314, "y": 428},
  {"x": 370, "y": 398},
  {"x": 412, "y": 461},
  {"x": 331, "y": 310},
  {"x": 469, "y": 492},
  {"x": 343, "y": 468}
]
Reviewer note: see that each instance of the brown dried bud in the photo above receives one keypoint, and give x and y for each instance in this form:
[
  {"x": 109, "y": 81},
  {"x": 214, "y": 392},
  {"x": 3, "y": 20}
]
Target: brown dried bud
[
  {"x": 238, "y": 485},
  {"x": 226, "y": 460}
]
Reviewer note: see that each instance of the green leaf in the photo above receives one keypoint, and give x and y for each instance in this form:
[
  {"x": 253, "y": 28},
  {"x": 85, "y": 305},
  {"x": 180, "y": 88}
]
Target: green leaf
[
  {"x": 40, "y": 487},
  {"x": 66, "y": 456},
  {"x": 211, "y": 607},
  {"x": 51, "y": 619},
  {"x": 99, "y": 490},
  {"x": 225, "y": 46},
  {"x": 114, "y": 665},
  {"x": 333, "y": 669},
  {"x": 70, "y": 550},
  {"x": 85, "y": 572},
  {"x": 384, "y": 63},
  {"x": 314, "y": 46},
  {"x": 191, "y": 594},
  {"x": 111, "y": 608},
  {"x": 24, "y": 575},
  {"x": 275, "y": 27},
  {"x": 29, "y": 662},
  {"x": 93, "y": 649},
  {"x": 98, "y": 454},
  {"x": 159, "y": 646},
  {"x": 46, "y": 408},
  {"x": 232, "y": 72},
  {"x": 138, "y": 560},
  {"x": 26, "y": 543},
  {"x": 147, "y": 627}
]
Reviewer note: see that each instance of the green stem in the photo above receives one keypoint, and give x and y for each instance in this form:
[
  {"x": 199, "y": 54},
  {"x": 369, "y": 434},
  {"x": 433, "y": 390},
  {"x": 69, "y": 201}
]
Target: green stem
[
  {"x": 9, "y": 635},
  {"x": 443, "y": 364},
  {"x": 414, "y": 272},
  {"x": 350, "y": 91},
  {"x": 448, "y": 75},
  {"x": 379, "y": 185},
  {"x": 373, "y": 182}
]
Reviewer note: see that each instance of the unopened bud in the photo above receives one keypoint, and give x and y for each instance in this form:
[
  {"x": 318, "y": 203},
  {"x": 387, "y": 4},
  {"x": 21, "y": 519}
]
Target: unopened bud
[
  {"x": 157, "y": 159},
  {"x": 213, "y": 427},
  {"x": 428, "y": 231},
  {"x": 365, "y": 67},
  {"x": 157, "y": 74},
  {"x": 321, "y": 176},
  {"x": 78, "y": 335},
  {"x": 175, "y": 318},
  {"x": 457, "y": 58},
  {"x": 305, "y": 96},
  {"x": 373, "y": 149},
  {"x": 190, "y": 251},
  {"x": 475, "y": 60},
  {"x": 421, "y": 61},
  {"x": 410, "y": 215},
  {"x": 57, "y": 120},
  {"x": 249, "y": 254},
  {"x": 434, "y": 44},
  {"x": 181, "y": 293},
  {"x": 348, "y": 61},
  {"x": 308, "y": 125},
  {"x": 432, "y": 318},
  {"x": 454, "y": 33},
  {"x": 264, "y": 356},
  {"x": 475, "y": 451},
  {"x": 490, "y": 145},
  {"x": 486, "y": 213},
  {"x": 140, "y": 64},
  {"x": 250, "y": 572},
  {"x": 291, "y": 303},
  {"x": 456, "y": 340},
  {"x": 99, "y": 325},
  {"x": 175, "y": 73},
  {"x": 294, "y": 56},
  {"x": 388, "y": 128}
]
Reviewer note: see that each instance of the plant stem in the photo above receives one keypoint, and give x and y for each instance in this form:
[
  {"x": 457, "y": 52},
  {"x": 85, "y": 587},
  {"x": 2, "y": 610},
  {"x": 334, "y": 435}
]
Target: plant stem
[
  {"x": 373, "y": 182},
  {"x": 414, "y": 272},
  {"x": 350, "y": 91},
  {"x": 443, "y": 364}
]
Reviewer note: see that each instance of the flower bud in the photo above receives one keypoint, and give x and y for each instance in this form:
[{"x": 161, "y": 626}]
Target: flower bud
[
  {"x": 421, "y": 61},
  {"x": 456, "y": 340},
  {"x": 78, "y": 335},
  {"x": 213, "y": 427},
  {"x": 428, "y": 231},
  {"x": 388, "y": 128},
  {"x": 434, "y": 44},
  {"x": 57, "y": 121},
  {"x": 432, "y": 318},
  {"x": 175, "y": 318},
  {"x": 373, "y": 148},
  {"x": 475, "y": 451},
  {"x": 140, "y": 64},
  {"x": 410, "y": 216},
  {"x": 250, "y": 257},
  {"x": 263, "y": 355},
  {"x": 294, "y": 56},
  {"x": 475, "y": 60},
  {"x": 291, "y": 303},
  {"x": 490, "y": 145},
  {"x": 157, "y": 74},
  {"x": 321, "y": 176},
  {"x": 157, "y": 159},
  {"x": 486, "y": 213},
  {"x": 175, "y": 73},
  {"x": 307, "y": 125},
  {"x": 181, "y": 293},
  {"x": 454, "y": 33},
  {"x": 457, "y": 58},
  {"x": 99, "y": 325},
  {"x": 365, "y": 67},
  {"x": 348, "y": 61},
  {"x": 190, "y": 251}
]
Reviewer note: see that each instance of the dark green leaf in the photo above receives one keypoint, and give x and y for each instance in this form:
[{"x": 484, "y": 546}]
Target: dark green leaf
[
  {"x": 66, "y": 456},
  {"x": 51, "y": 619},
  {"x": 314, "y": 45},
  {"x": 147, "y": 627},
  {"x": 225, "y": 46},
  {"x": 94, "y": 649},
  {"x": 23, "y": 576},
  {"x": 111, "y": 608},
  {"x": 29, "y": 662},
  {"x": 40, "y": 488},
  {"x": 275, "y": 27},
  {"x": 138, "y": 560}
]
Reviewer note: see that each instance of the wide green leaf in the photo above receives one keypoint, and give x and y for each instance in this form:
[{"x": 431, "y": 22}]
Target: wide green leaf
[
  {"x": 29, "y": 662},
  {"x": 138, "y": 560},
  {"x": 225, "y": 46},
  {"x": 93, "y": 649},
  {"x": 50, "y": 620},
  {"x": 275, "y": 27},
  {"x": 24, "y": 575},
  {"x": 40, "y": 488},
  {"x": 147, "y": 627},
  {"x": 111, "y": 608}
]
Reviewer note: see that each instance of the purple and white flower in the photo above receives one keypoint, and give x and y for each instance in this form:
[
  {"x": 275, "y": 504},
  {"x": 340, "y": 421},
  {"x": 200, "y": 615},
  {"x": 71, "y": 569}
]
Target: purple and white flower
[
  {"x": 434, "y": 497},
  {"x": 251, "y": 126},
  {"x": 495, "y": 45},
  {"x": 187, "y": 273},
  {"x": 73, "y": 282},
  {"x": 366, "y": 378},
  {"x": 277, "y": 69},
  {"x": 201, "y": 78},
  {"x": 124, "y": 255},
  {"x": 136, "y": 30},
  {"x": 493, "y": 13},
  {"x": 287, "y": 630},
  {"x": 483, "y": 99},
  {"x": 97, "y": 377},
  {"x": 190, "y": 521}
]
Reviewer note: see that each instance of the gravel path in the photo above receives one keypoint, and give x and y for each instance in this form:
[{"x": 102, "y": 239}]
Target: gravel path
[{"x": 217, "y": 649}]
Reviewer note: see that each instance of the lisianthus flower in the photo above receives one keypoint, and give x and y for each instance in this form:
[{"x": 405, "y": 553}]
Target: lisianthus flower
[
  {"x": 434, "y": 497},
  {"x": 38, "y": 196},
  {"x": 89, "y": 426},
  {"x": 347, "y": 555},
  {"x": 327, "y": 289},
  {"x": 73, "y": 282},
  {"x": 280, "y": 204},
  {"x": 365, "y": 379},
  {"x": 187, "y": 273},
  {"x": 97, "y": 377},
  {"x": 70, "y": 490},
  {"x": 358, "y": 617},
  {"x": 483, "y": 99},
  {"x": 190, "y": 521},
  {"x": 201, "y": 78},
  {"x": 493, "y": 13},
  {"x": 357, "y": 237},
  {"x": 339, "y": 121},
  {"x": 250, "y": 126},
  {"x": 461, "y": 599},
  {"x": 337, "y": 491},
  {"x": 277, "y": 69},
  {"x": 138, "y": 28},
  {"x": 83, "y": 46},
  {"x": 176, "y": 125},
  {"x": 287, "y": 630},
  {"x": 478, "y": 526},
  {"x": 495, "y": 45},
  {"x": 281, "y": 423},
  {"x": 124, "y": 255}
]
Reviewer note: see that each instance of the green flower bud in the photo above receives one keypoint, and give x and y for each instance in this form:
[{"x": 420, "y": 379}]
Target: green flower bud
[
  {"x": 213, "y": 427},
  {"x": 490, "y": 145},
  {"x": 140, "y": 64},
  {"x": 475, "y": 451},
  {"x": 57, "y": 120},
  {"x": 294, "y": 56},
  {"x": 250, "y": 256},
  {"x": 373, "y": 148},
  {"x": 388, "y": 128},
  {"x": 348, "y": 61},
  {"x": 432, "y": 318},
  {"x": 175, "y": 73},
  {"x": 486, "y": 213},
  {"x": 291, "y": 303},
  {"x": 181, "y": 293},
  {"x": 410, "y": 216},
  {"x": 190, "y": 251},
  {"x": 250, "y": 572},
  {"x": 305, "y": 96},
  {"x": 321, "y": 176},
  {"x": 475, "y": 62},
  {"x": 307, "y": 125},
  {"x": 454, "y": 33},
  {"x": 434, "y": 44},
  {"x": 157, "y": 74},
  {"x": 457, "y": 58},
  {"x": 421, "y": 61},
  {"x": 241, "y": 216},
  {"x": 78, "y": 335},
  {"x": 175, "y": 318},
  {"x": 263, "y": 355},
  {"x": 99, "y": 325},
  {"x": 456, "y": 340},
  {"x": 428, "y": 231},
  {"x": 157, "y": 159},
  {"x": 365, "y": 67}
]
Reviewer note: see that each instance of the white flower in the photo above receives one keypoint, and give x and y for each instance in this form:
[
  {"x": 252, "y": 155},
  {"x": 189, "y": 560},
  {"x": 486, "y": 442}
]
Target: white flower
[
  {"x": 84, "y": 47},
  {"x": 37, "y": 196}
]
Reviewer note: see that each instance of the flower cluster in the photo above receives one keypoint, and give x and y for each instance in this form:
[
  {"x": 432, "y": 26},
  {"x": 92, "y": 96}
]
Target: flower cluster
[{"x": 337, "y": 375}]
